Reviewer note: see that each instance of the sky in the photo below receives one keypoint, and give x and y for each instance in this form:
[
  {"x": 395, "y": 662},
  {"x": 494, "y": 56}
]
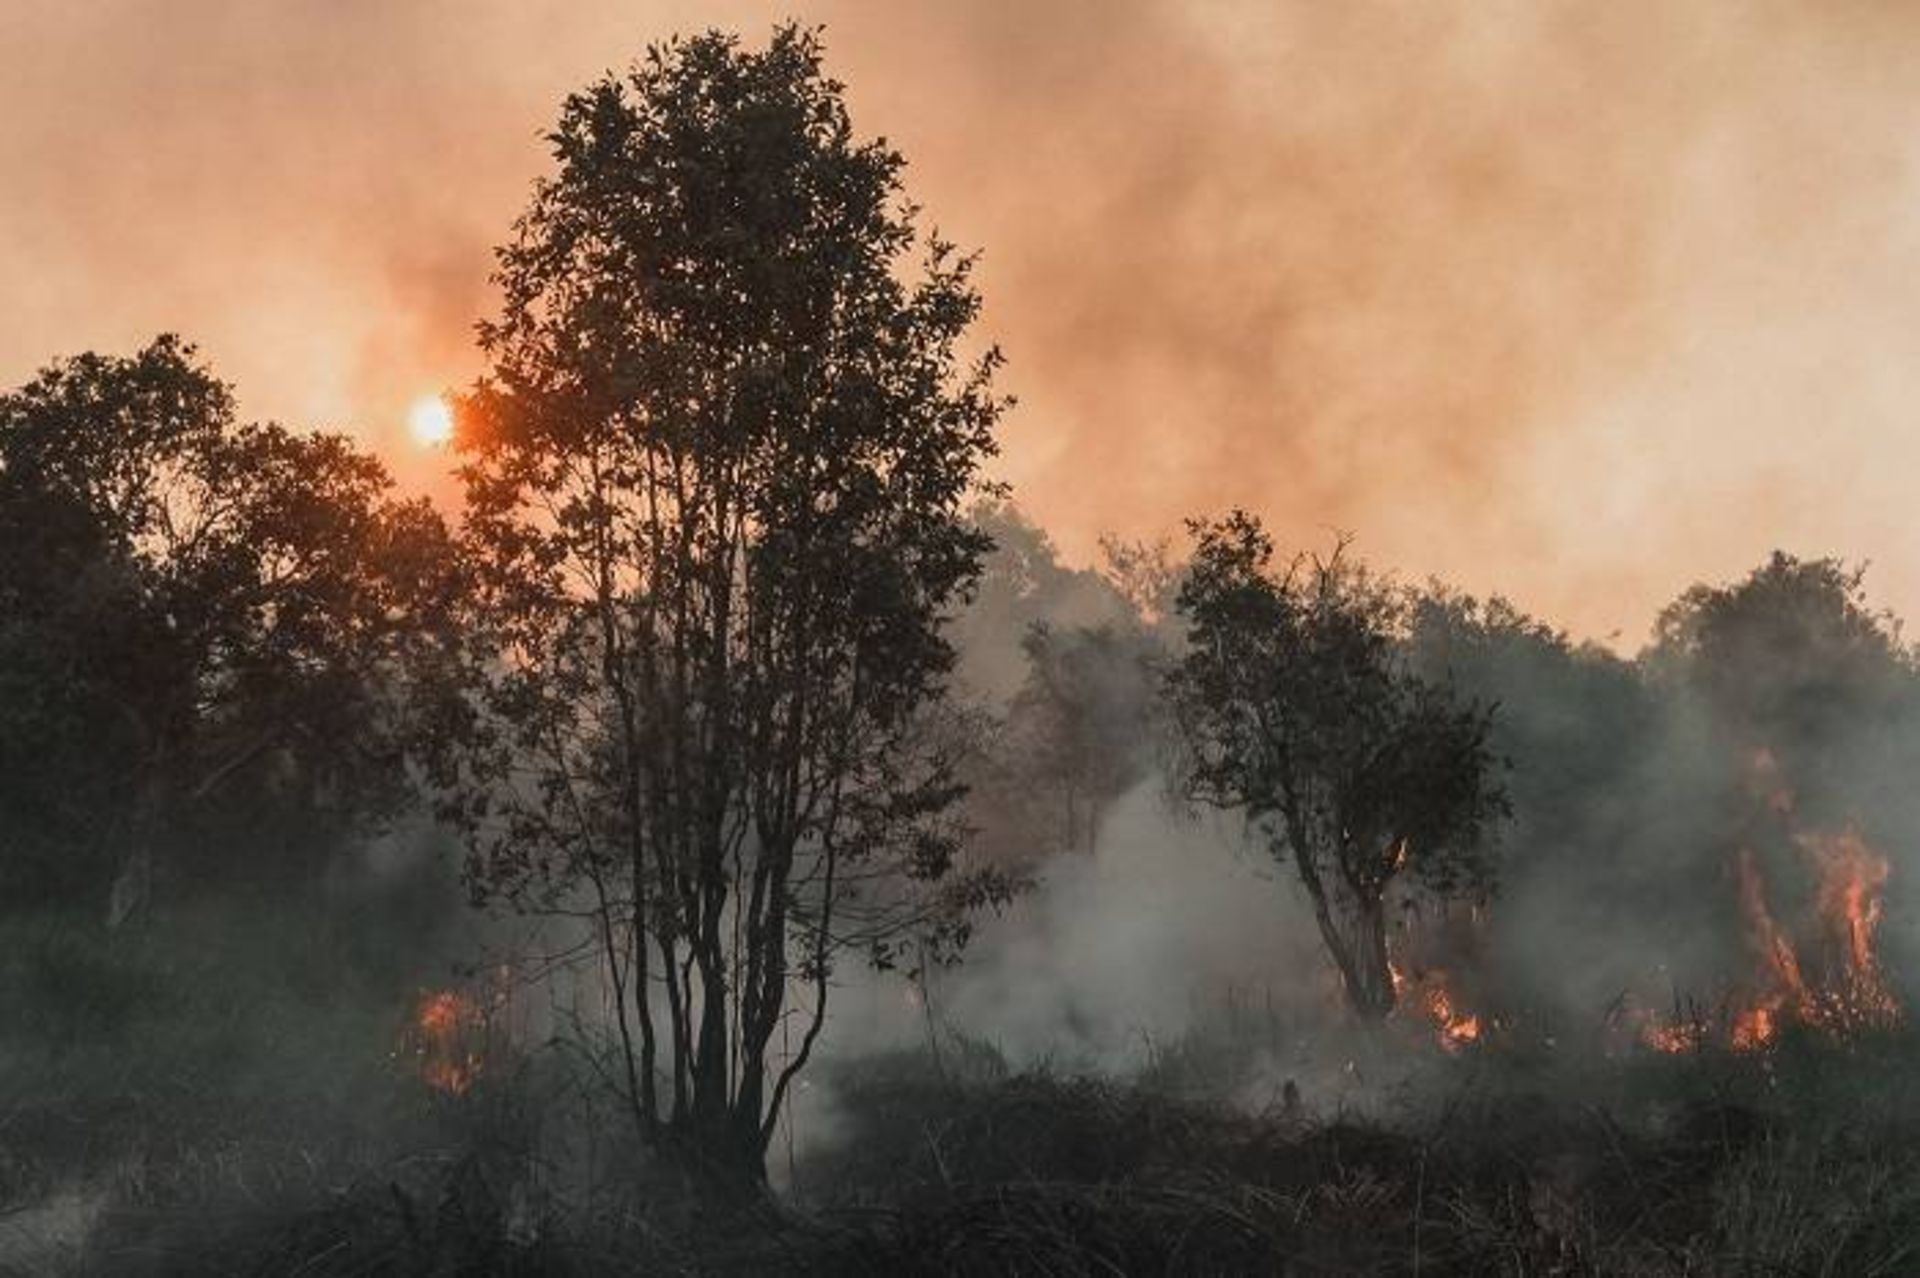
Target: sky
[{"x": 1579, "y": 303}]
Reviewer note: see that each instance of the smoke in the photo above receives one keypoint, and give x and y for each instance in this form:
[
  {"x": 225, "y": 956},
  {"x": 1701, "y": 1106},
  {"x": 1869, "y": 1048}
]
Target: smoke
[
  {"x": 1644, "y": 791},
  {"x": 1582, "y": 302},
  {"x": 1578, "y": 302},
  {"x": 1136, "y": 945},
  {"x": 1177, "y": 950}
]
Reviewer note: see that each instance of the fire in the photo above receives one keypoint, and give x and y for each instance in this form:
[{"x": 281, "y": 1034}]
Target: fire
[
  {"x": 1823, "y": 973},
  {"x": 1672, "y": 1038},
  {"x": 1754, "y": 1027},
  {"x": 1848, "y": 988},
  {"x": 1810, "y": 944},
  {"x": 1855, "y": 878},
  {"x": 1457, "y": 1028},
  {"x": 1432, "y": 999},
  {"x": 447, "y": 1039},
  {"x": 1819, "y": 969},
  {"x": 1780, "y": 982}
]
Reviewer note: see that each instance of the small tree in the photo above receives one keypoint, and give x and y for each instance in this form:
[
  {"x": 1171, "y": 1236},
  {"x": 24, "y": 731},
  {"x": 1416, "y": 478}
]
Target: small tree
[
  {"x": 716, "y": 484},
  {"x": 1296, "y": 706}
]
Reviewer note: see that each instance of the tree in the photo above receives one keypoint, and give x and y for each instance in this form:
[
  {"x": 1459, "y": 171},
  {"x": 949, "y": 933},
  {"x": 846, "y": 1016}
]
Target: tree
[
  {"x": 184, "y": 596},
  {"x": 716, "y": 481},
  {"x": 1296, "y": 705},
  {"x": 1803, "y": 704},
  {"x": 1607, "y": 816},
  {"x": 1023, "y": 584},
  {"x": 1791, "y": 659},
  {"x": 1578, "y": 719},
  {"x": 1082, "y": 725},
  {"x": 1144, "y": 574}
]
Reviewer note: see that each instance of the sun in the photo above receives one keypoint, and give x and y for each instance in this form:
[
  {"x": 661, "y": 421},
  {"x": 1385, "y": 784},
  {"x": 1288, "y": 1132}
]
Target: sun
[{"x": 430, "y": 420}]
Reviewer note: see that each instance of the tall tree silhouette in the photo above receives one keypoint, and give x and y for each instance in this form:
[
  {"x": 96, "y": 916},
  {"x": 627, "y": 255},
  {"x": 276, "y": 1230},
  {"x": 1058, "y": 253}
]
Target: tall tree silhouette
[{"x": 716, "y": 480}]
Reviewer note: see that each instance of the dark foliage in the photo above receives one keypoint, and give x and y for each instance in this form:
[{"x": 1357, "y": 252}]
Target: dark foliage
[
  {"x": 1297, "y": 707},
  {"x": 202, "y": 624}
]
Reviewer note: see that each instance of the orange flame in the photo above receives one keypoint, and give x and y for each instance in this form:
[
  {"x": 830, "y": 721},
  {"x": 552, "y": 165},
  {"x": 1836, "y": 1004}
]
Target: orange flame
[
  {"x": 1826, "y": 974},
  {"x": 1672, "y": 1038},
  {"x": 1822, "y": 972},
  {"x": 1430, "y": 997},
  {"x": 447, "y": 1039},
  {"x": 1853, "y": 879}
]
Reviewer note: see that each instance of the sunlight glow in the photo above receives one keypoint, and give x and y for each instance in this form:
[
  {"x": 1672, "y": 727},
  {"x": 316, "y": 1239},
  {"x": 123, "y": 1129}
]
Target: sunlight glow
[{"x": 430, "y": 420}]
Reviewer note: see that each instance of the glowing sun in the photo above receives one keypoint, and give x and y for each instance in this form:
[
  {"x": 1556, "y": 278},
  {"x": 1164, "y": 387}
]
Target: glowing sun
[{"x": 430, "y": 420}]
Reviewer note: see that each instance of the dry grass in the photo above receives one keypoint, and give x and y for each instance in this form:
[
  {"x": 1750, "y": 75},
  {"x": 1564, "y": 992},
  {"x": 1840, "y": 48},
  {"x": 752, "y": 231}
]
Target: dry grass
[
  {"x": 1709, "y": 1166},
  {"x": 179, "y": 1111}
]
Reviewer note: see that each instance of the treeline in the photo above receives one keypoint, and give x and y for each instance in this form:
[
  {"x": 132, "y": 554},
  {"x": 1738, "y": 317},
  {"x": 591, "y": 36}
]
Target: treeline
[
  {"x": 203, "y": 625},
  {"x": 1615, "y": 792}
]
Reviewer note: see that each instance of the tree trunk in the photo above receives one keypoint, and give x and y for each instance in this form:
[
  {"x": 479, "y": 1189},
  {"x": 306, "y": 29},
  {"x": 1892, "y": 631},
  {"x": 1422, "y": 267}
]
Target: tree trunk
[
  {"x": 723, "y": 1159},
  {"x": 133, "y": 886},
  {"x": 1359, "y": 949},
  {"x": 1369, "y": 977}
]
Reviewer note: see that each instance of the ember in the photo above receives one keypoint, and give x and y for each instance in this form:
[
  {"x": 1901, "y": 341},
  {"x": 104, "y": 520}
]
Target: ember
[
  {"x": 1430, "y": 997},
  {"x": 447, "y": 1039}
]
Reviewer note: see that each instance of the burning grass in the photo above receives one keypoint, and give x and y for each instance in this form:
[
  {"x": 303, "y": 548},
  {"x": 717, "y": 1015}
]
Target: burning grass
[
  {"x": 1807, "y": 903},
  {"x": 1429, "y": 995},
  {"x": 1811, "y": 962},
  {"x": 195, "y": 1101},
  {"x": 264, "y": 1141}
]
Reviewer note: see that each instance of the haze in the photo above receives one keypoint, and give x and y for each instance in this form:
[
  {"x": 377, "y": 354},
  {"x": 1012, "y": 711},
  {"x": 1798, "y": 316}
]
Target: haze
[{"x": 1578, "y": 303}]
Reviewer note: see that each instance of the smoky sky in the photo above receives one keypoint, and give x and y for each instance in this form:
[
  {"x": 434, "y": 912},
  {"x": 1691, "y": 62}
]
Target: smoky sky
[{"x": 1578, "y": 302}]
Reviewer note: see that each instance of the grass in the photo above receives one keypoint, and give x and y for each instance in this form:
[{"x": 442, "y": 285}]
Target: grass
[
  {"x": 1799, "y": 1162},
  {"x": 213, "y": 1067},
  {"x": 219, "y": 1094}
]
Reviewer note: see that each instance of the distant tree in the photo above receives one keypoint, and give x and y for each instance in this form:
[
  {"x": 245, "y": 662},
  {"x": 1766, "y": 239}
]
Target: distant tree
[
  {"x": 1790, "y": 658},
  {"x": 1605, "y": 820},
  {"x": 717, "y": 481},
  {"x": 1575, "y": 719},
  {"x": 1802, "y": 696},
  {"x": 1023, "y": 584},
  {"x": 181, "y": 597},
  {"x": 1296, "y": 705},
  {"x": 1143, "y": 573},
  {"x": 1082, "y": 725}
]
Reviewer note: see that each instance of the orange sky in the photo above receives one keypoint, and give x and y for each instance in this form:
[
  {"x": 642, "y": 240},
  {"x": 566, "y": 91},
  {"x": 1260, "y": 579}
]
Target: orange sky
[{"x": 1582, "y": 302}]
